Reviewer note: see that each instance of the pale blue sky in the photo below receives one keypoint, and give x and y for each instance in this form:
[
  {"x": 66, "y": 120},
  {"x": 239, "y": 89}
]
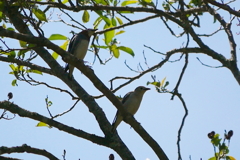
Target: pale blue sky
[{"x": 212, "y": 97}]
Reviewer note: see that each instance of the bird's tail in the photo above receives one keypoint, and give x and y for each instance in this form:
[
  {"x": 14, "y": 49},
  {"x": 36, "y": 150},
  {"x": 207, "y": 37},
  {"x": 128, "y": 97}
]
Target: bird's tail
[
  {"x": 66, "y": 67},
  {"x": 114, "y": 126},
  {"x": 117, "y": 120}
]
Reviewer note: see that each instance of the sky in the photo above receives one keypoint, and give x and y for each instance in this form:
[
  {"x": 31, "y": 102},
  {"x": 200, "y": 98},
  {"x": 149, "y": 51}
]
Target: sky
[{"x": 211, "y": 94}]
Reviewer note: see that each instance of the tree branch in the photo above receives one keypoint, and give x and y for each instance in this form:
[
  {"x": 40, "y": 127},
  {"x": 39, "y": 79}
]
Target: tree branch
[
  {"x": 13, "y": 108},
  {"x": 25, "y": 148},
  {"x": 224, "y": 7},
  {"x": 27, "y": 64}
]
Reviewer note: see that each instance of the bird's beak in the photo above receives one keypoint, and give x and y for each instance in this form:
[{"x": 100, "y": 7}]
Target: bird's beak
[{"x": 147, "y": 89}]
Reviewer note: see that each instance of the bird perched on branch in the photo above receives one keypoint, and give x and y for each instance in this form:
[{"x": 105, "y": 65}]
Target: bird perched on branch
[
  {"x": 131, "y": 102},
  {"x": 78, "y": 47}
]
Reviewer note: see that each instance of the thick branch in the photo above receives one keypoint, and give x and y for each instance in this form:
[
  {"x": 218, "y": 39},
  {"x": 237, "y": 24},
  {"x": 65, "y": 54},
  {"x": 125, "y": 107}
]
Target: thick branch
[
  {"x": 25, "y": 148},
  {"x": 13, "y": 108},
  {"x": 8, "y": 158},
  {"x": 227, "y": 28},
  {"x": 224, "y": 7},
  {"x": 119, "y": 8}
]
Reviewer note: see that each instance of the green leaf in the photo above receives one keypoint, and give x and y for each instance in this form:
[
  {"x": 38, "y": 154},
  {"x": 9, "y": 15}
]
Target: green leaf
[
  {"x": 14, "y": 82},
  {"x": 126, "y": 49},
  {"x": 23, "y": 44},
  {"x": 230, "y": 158},
  {"x": 97, "y": 21},
  {"x": 108, "y": 35},
  {"x": 55, "y": 55},
  {"x": 63, "y": 46},
  {"x": 4, "y": 26},
  {"x": 21, "y": 53},
  {"x": 98, "y": 1},
  {"x": 34, "y": 71},
  {"x": 125, "y": 3},
  {"x": 64, "y": 1},
  {"x": 12, "y": 54},
  {"x": 57, "y": 37},
  {"x": 114, "y": 22},
  {"x": 216, "y": 141},
  {"x": 157, "y": 84},
  {"x": 147, "y": 1},
  {"x": 103, "y": 2},
  {"x": 1, "y": 16},
  {"x": 103, "y": 47},
  {"x": 85, "y": 17},
  {"x": 126, "y": 12},
  {"x": 2, "y": 5},
  {"x": 12, "y": 67},
  {"x": 120, "y": 32},
  {"x": 115, "y": 2},
  {"x": 115, "y": 51},
  {"x": 166, "y": 6},
  {"x": 42, "y": 124},
  {"x": 39, "y": 14},
  {"x": 119, "y": 20},
  {"x": 10, "y": 29},
  {"x": 31, "y": 45},
  {"x": 212, "y": 158},
  {"x": 196, "y": 2},
  {"x": 20, "y": 68},
  {"x": 105, "y": 18}
]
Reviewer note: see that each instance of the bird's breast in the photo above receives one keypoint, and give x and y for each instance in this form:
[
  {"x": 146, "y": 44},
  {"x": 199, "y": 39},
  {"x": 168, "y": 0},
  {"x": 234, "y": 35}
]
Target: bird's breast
[
  {"x": 133, "y": 105},
  {"x": 81, "y": 49}
]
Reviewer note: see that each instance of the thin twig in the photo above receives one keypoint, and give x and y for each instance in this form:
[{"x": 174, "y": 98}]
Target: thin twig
[
  {"x": 182, "y": 124},
  {"x": 154, "y": 50},
  {"x": 208, "y": 65},
  {"x": 66, "y": 111}
]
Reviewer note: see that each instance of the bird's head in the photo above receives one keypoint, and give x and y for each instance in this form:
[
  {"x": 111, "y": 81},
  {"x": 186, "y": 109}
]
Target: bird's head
[
  {"x": 89, "y": 32},
  {"x": 141, "y": 89}
]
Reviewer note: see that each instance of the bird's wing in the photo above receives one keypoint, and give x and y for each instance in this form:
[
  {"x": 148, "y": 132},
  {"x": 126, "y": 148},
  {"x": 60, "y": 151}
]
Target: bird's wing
[
  {"x": 70, "y": 50},
  {"x": 75, "y": 40},
  {"x": 126, "y": 97},
  {"x": 123, "y": 101},
  {"x": 71, "y": 43}
]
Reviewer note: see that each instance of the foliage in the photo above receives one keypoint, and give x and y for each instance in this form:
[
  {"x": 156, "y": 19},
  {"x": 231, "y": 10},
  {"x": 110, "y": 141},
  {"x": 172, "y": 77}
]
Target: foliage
[{"x": 223, "y": 149}]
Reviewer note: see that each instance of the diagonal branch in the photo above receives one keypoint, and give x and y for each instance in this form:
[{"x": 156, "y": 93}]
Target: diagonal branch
[
  {"x": 224, "y": 7},
  {"x": 13, "y": 108},
  {"x": 227, "y": 28}
]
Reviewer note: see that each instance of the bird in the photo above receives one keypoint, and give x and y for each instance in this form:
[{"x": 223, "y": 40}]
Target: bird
[
  {"x": 131, "y": 102},
  {"x": 78, "y": 47}
]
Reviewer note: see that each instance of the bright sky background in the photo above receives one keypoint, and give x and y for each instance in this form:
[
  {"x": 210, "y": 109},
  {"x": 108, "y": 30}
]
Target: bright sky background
[{"x": 211, "y": 94}]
